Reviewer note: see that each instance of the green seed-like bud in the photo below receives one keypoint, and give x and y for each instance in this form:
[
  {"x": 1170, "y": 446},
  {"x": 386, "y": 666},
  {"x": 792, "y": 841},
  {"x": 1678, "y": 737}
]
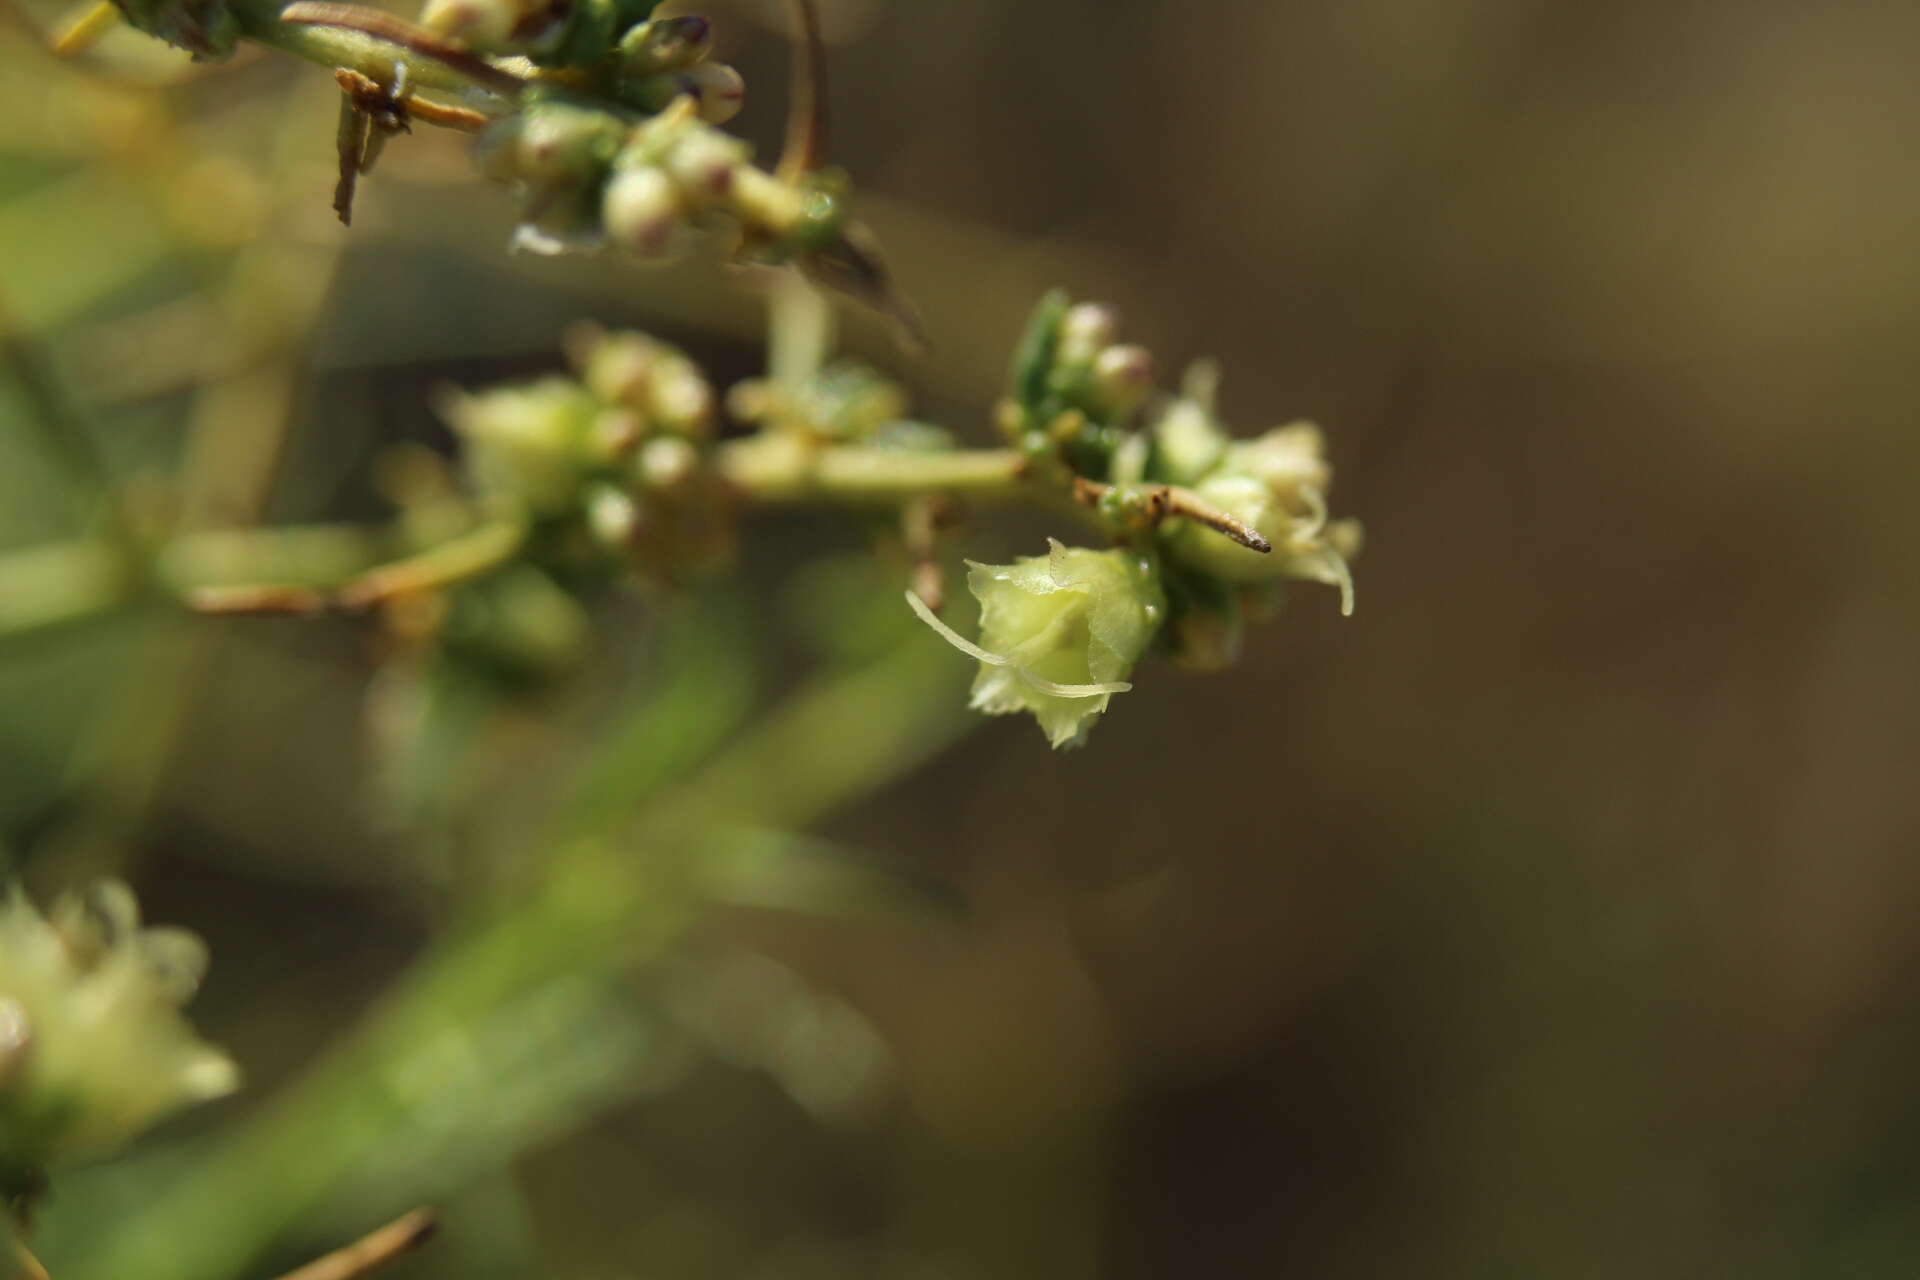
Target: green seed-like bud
[
  {"x": 93, "y": 1048},
  {"x": 641, "y": 211},
  {"x": 1122, "y": 379},
  {"x": 1058, "y": 634},
  {"x": 665, "y": 44}
]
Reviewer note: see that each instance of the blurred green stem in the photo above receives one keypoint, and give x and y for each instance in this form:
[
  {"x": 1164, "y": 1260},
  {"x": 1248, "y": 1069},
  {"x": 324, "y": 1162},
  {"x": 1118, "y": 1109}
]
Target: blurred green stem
[
  {"x": 606, "y": 903},
  {"x": 62, "y": 582},
  {"x": 63, "y": 431}
]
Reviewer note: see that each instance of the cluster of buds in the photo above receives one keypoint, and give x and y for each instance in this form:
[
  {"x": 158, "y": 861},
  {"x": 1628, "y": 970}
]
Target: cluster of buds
[
  {"x": 615, "y": 48},
  {"x": 588, "y": 176},
  {"x": 1206, "y": 526},
  {"x": 93, "y": 1047},
  {"x": 617, "y": 452},
  {"x": 1074, "y": 385}
]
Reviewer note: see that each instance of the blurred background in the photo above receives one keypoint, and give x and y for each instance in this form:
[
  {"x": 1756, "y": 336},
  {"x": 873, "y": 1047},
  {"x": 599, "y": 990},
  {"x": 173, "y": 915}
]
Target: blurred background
[{"x": 1549, "y": 917}]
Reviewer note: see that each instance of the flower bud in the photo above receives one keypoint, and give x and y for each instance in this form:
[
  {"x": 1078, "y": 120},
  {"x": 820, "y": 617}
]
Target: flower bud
[
  {"x": 557, "y": 143},
  {"x": 680, "y": 397},
  {"x": 1122, "y": 379},
  {"x": 615, "y": 367},
  {"x": 1058, "y": 634},
  {"x": 702, "y": 164},
  {"x": 665, "y": 44},
  {"x": 1085, "y": 329},
  {"x": 496, "y": 26},
  {"x": 641, "y": 211},
  {"x": 717, "y": 90},
  {"x": 93, "y": 1048}
]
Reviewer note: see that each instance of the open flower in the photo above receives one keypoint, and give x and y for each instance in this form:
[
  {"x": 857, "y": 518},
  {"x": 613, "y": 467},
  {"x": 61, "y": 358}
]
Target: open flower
[
  {"x": 1276, "y": 485},
  {"x": 93, "y": 1048},
  {"x": 1058, "y": 634}
]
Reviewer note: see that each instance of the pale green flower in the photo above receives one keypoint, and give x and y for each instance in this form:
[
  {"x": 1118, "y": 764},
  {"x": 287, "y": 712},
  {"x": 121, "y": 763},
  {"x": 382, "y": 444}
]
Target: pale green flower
[
  {"x": 1276, "y": 485},
  {"x": 93, "y": 1047},
  {"x": 1058, "y": 634}
]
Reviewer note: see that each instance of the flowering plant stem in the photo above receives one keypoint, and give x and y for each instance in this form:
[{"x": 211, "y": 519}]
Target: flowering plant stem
[{"x": 65, "y": 582}]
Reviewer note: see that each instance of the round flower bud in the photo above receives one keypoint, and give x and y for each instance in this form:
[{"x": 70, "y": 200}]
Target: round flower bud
[
  {"x": 93, "y": 1048},
  {"x": 1085, "y": 329},
  {"x": 702, "y": 164},
  {"x": 557, "y": 143},
  {"x": 1122, "y": 379},
  {"x": 1058, "y": 634},
  {"x": 641, "y": 211},
  {"x": 495, "y": 26},
  {"x": 716, "y": 88}
]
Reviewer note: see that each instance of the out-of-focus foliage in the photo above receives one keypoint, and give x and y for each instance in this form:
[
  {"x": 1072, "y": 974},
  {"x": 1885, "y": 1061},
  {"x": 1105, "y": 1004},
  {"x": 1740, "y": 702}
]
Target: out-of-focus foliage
[{"x": 1549, "y": 917}]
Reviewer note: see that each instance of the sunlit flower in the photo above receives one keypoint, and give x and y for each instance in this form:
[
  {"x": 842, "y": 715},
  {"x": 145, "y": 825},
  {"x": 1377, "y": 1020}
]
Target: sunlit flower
[
  {"x": 1058, "y": 634},
  {"x": 93, "y": 1047}
]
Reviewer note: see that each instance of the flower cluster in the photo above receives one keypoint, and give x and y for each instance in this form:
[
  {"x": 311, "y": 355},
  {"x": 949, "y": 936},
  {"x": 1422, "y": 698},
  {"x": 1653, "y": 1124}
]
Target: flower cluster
[
  {"x": 614, "y": 456},
  {"x": 587, "y": 176},
  {"x": 1074, "y": 385},
  {"x": 93, "y": 1048},
  {"x": 1206, "y": 525}
]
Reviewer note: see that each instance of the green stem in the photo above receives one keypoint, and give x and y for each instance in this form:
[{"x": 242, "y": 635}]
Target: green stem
[
  {"x": 379, "y": 60},
  {"x": 778, "y": 468},
  {"x": 62, "y": 582}
]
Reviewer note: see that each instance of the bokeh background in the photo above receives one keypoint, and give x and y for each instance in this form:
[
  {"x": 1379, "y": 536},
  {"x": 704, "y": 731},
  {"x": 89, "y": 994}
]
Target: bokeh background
[{"x": 1552, "y": 916}]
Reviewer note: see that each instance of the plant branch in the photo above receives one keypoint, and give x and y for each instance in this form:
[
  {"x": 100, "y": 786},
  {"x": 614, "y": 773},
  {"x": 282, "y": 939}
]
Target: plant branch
[
  {"x": 402, "y": 34},
  {"x": 373, "y": 1251},
  {"x": 776, "y": 468}
]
